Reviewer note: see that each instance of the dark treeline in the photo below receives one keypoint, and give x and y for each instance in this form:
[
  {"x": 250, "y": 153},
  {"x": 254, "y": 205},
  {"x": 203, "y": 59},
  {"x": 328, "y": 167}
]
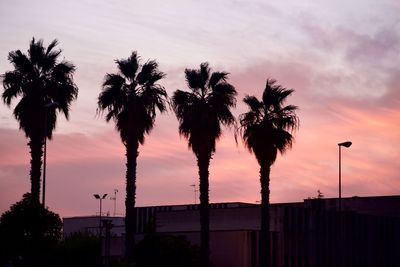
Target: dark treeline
[{"x": 130, "y": 97}]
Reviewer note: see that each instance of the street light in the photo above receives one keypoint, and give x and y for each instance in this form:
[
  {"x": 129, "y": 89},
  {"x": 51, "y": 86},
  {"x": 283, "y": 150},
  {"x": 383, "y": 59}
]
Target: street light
[
  {"x": 47, "y": 107},
  {"x": 346, "y": 144},
  {"x": 97, "y": 196}
]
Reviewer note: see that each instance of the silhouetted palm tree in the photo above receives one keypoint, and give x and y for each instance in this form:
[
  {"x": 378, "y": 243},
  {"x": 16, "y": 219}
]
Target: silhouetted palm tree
[
  {"x": 131, "y": 98},
  {"x": 41, "y": 80},
  {"x": 200, "y": 113},
  {"x": 266, "y": 129}
]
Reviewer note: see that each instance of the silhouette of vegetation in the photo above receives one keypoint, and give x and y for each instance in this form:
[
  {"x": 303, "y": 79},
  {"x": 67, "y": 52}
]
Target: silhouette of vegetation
[
  {"x": 266, "y": 129},
  {"x": 200, "y": 113},
  {"x": 167, "y": 251},
  {"x": 40, "y": 79},
  {"x": 131, "y": 98},
  {"x": 28, "y": 233},
  {"x": 78, "y": 250}
]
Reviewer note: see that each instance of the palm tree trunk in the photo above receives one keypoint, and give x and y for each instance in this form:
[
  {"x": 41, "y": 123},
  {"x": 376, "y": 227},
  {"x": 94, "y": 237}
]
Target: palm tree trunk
[
  {"x": 35, "y": 145},
  {"x": 130, "y": 212},
  {"x": 264, "y": 252},
  {"x": 203, "y": 162}
]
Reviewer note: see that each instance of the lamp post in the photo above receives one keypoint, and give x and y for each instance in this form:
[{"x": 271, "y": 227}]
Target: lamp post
[
  {"x": 47, "y": 107},
  {"x": 346, "y": 144},
  {"x": 97, "y": 196}
]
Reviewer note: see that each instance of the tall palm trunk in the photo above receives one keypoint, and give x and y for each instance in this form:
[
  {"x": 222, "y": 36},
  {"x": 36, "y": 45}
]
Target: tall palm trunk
[
  {"x": 35, "y": 145},
  {"x": 203, "y": 162},
  {"x": 264, "y": 252},
  {"x": 130, "y": 217}
]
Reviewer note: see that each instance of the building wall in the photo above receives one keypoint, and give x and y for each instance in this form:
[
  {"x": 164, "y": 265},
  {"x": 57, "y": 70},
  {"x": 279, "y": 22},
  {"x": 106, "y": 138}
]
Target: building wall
[
  {"x": 319, "y": 238},
  {"x": 310, "y": 234},
  {"x": 90, "y": 224}
]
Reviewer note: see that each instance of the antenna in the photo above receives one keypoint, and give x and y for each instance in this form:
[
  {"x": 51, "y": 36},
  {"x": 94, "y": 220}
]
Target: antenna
[
  {"x": 115, "y": 201},
  {"x": 195, "y": 193}
]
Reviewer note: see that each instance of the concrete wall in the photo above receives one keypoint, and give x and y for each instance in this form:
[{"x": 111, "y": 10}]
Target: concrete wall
[
  {"x": 228, "y": 248},
  {"x": 247, "y": 218}
]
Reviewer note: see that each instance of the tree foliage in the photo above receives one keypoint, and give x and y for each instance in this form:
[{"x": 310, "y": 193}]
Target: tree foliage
[
  {"x": 167, "y": 251},
  {"x": 27, "y": 232}
]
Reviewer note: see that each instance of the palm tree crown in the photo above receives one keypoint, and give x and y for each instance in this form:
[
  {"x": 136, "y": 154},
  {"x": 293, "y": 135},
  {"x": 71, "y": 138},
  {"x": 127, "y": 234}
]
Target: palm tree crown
[
  {"x": 40, "y": 80},
  {"x": 268, "y": 125},
  {"x": 202, "y": 110},
  {"x": 131, "y": 97}
]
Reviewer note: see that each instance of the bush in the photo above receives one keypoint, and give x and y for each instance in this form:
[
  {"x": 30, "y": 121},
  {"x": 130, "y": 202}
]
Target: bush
[
  {"x": 28, "y": 233},
  {"x": 78, "y": 250},
  {"x": 166, "y": 250}
]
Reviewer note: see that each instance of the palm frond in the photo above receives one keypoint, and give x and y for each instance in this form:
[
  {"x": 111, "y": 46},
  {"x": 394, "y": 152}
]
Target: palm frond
[
  {"x": 182, "y": 102},
  {"x": 193, "y": 80},
  {"x": 253, "y": 103},
  {"x": 204, "y": 73},
  {"x": 128, "y": 67},
  {"x": 36, "y": 52},
  {"x": 12, "y": 82},
  {"x": 52, "y": 45},
  {"x": 149, "y": 74},
  {"x": 217, "y": 77},
  {"x": 21, "y": 62},
  {"x": 113, "y": 96},
  {"x": 63, "y": 71}
]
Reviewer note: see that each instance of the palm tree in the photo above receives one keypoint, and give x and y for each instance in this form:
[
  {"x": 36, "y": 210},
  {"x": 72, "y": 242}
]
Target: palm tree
[
  {"x": 200, "y": 113},
  {"x": 41, "y": 80},
  {"x": 131, "y": 98},
  {"x": 266, "y": 129}
]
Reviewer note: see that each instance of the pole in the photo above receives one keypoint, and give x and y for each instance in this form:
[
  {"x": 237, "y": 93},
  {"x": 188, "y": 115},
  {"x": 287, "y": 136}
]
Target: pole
[
  {"x": 44, "y": 160},
  {"x": 100, "y": 219},
  {"x": 340, "y": 179},
  {"x": 115, "y": 201}
]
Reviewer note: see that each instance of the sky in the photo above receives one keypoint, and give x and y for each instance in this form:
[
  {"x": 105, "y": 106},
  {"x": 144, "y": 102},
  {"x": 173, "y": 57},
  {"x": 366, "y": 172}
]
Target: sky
[{"x": 341, "y": 57}]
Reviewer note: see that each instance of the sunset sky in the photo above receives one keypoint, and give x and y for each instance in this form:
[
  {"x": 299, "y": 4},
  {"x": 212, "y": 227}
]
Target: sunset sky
[{"x": 342, "y": 58}]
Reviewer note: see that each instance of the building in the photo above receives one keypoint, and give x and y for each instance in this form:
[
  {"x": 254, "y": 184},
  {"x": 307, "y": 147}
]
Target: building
[{"x": 313, "y": 233}]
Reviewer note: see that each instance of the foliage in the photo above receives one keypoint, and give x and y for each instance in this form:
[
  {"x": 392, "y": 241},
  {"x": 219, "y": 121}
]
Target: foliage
[
  {"x": 132, "y": 96},
  {"x": 167, "y": 251},
  {"x": 266, "y": 128},
  {"x": 203, "y": 109},
  {"x": 78, "y": 250},
  {"x": 28, "y": 232}
]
